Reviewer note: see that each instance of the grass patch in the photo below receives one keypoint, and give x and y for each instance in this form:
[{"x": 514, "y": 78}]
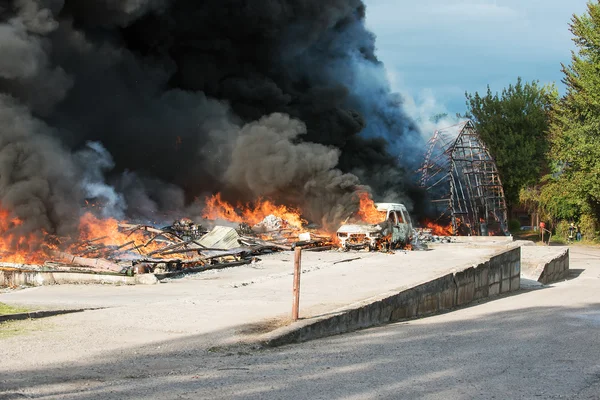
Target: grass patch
[
  {"x": 5, "y": 309},
  {"x": 10, "y": 329}
]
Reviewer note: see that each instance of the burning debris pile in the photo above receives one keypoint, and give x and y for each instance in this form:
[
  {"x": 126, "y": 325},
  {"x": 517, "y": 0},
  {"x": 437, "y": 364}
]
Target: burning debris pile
[
  {"x": 432, "y": 232},
  {"x": 228, "y": 236},
  {"x": 130, "y": 249},
  {"x": 424, "y": 236}
]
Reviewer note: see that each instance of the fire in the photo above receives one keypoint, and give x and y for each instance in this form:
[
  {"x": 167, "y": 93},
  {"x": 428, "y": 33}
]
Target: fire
[
  {"x": 107, "y": 232},
  {"x": 367, "y": 211},
  {"x": 216, "y": 209},
  {"x": 290, "y": 230},
  {"x": 104, "y": 234},
  {"x": 103, "y": 237},
  {"x": 21, "y": 247},
  {"x": 219, "y": 209},
  {"x": 439, "y": 230}
]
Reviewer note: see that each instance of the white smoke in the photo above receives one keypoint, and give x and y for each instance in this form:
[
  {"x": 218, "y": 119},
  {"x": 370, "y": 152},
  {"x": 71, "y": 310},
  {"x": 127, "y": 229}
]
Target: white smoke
[{"x": 95, "y": 161}]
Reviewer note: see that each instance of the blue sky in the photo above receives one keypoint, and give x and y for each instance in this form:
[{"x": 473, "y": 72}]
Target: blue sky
[{"x": 435, "y": 50}]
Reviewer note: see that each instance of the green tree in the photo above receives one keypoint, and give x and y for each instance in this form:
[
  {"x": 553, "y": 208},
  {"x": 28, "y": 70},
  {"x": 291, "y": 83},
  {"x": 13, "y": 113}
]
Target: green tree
[
  {"x": 575, "y": 127},
  {"x": 514, "y": 127}
]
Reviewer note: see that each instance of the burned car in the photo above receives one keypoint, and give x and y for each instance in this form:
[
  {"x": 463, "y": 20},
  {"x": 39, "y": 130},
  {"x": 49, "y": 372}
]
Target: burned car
[{"x": 394, "y": 231}]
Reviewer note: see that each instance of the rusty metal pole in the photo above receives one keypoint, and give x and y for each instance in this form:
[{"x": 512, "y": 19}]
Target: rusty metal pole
[
  {"x": 297, "y": 269},
  {"x": 542, "y": 230}
]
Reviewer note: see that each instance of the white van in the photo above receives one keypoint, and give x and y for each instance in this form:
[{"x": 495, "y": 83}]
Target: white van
[{"x": 395, "y": 230}]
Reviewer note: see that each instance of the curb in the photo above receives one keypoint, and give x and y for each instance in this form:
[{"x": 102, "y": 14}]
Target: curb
[{"x": 40, "y": 314}]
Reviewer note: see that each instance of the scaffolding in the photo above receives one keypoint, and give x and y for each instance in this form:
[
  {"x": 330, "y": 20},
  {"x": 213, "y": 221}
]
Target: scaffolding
[{"x": 462, "y": 179}]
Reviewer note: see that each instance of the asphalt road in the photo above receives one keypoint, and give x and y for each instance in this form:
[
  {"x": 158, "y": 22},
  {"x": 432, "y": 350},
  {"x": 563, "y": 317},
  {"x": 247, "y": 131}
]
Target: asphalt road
[{"x": 537, "y": 344}]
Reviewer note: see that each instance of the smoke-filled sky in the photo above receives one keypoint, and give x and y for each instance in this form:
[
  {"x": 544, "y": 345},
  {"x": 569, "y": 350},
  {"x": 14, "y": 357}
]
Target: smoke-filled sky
[
  {"x": 435, "y": 50},
  {"x": 142, "y": 106}
]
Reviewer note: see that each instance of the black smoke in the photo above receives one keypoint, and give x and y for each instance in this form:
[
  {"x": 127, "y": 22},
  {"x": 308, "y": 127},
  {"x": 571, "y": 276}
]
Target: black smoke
[{"x": 149, "y": 104}]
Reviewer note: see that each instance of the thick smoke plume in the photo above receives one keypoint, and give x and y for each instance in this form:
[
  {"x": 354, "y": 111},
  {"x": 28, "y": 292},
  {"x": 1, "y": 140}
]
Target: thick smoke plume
[
  {"x": 145, "y": 105},
  {"x": 266, "y": 162}
]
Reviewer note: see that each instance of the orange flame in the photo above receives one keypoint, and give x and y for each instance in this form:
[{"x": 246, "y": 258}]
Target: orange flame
[
  {"x": 439, "y": 230},
  {"x": 216, "y": 209},
  {"x": 100, "y": 235},
  {"x": 367, "y": 211},
  {"x": 106, "y": 232},
  {"x": 15, "y": 248}
]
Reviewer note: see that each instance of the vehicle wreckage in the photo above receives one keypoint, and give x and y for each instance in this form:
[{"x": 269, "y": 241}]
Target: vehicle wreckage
[{"x": 394, "y": 231}]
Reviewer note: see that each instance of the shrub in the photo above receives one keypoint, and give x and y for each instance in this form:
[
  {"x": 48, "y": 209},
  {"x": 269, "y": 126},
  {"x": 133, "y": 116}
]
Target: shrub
[
  {"x": 514, "y": 225},
  {"x": 562, "y": 229},
  {"x": 587, "y": 225}
]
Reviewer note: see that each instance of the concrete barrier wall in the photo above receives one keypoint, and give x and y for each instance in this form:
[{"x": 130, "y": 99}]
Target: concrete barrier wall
[
  {"x": 500, "y": 274},
  {"x": 483, "y": 239},
  {"x": 555, "y": 270},
  {"x": 19, "y": 277}
]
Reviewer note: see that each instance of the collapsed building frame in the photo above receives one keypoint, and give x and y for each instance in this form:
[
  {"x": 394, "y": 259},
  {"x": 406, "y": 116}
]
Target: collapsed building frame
[{"x": 463, "y": 181}]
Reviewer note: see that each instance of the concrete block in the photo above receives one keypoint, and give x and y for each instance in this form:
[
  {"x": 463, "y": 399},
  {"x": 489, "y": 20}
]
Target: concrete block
[
  {"x": 482, "y": 284},
  {"x": 404, "y": 305},
  {"x": 551, "y": 268},
  {"x": 386, "y": 310},
  {"x": 448, "y": 298},
  {"x": 482, "y": 275},
  {"x": 402, "y": 312},
  {"x": 494, "y": 289},
  {"x": 16, "y": 277},
  {"x": 428, "y": 304},
  {"x": 349, "y": 322},
  {"x": 146, "y": 279},
  {"x": 516, "y": 268},
  {"x": 515, "y": 283},
  {"x": 445, "y": 290},
  {"x": 465, "y": 286},
  {"x": 555, "y": 270},
  {"x": 505, "y": 285},
  {"x": 367, "y": 316},
  {"x": 494, "y": 274},
  {"x": 506, "y": 269},
  {"x": 565, "y": 264},
  {"x": 543, "y": 278}
]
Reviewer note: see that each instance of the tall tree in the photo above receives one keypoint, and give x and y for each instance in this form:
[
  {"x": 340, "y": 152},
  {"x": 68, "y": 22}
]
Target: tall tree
[
  {"x": 575, "y": 127},
  {"x": 514, "y": 127}
]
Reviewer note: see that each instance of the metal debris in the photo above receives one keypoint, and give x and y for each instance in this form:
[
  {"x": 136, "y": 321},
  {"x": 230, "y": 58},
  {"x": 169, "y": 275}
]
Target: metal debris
[{"x": 462, "y": 178}]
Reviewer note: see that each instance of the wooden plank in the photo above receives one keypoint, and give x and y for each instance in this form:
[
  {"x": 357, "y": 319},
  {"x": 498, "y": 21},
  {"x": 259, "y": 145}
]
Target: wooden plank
[
  {"x": 96, "y": 263},
  {"x": 170, "y": 247}
]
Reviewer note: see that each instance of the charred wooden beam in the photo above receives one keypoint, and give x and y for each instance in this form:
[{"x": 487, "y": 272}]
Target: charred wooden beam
[{"x": 98, "y": 264}]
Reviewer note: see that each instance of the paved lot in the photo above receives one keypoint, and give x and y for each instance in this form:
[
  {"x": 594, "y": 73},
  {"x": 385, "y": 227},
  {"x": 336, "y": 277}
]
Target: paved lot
[
  {"x": 218, "y": 306},
  {"x": 535, "y": 344}
]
